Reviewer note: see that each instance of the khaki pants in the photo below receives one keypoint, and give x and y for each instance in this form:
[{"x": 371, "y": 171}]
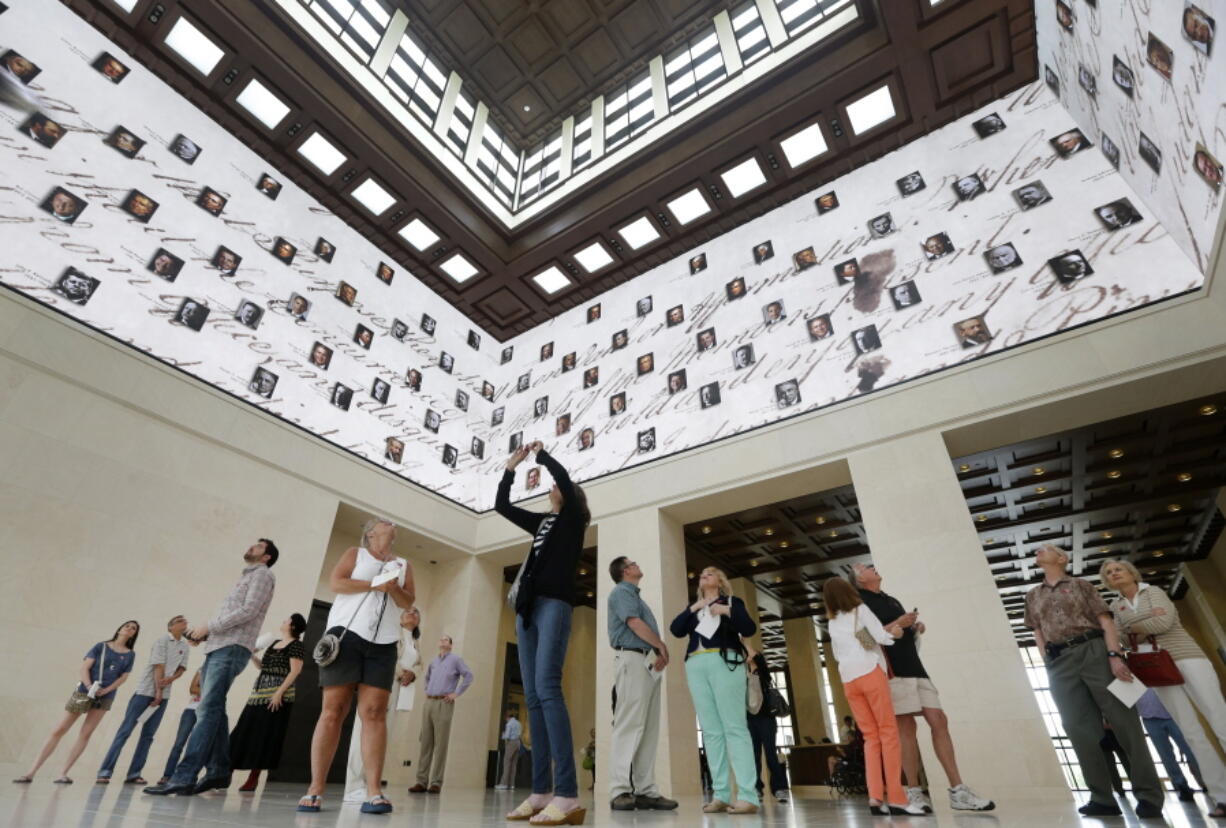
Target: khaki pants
[
  {"x": 510, "y": 758},
  {"x": 435, "y": 731},
  {"x": 636, "y": 727}
]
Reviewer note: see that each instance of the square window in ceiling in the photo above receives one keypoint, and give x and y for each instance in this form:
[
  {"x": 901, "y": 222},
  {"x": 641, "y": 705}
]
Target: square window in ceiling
[
  {"x": 263, "y": 104},
  {"x": 593, "y": 258},
  {"x": 875, "y": 108},
  {"x": 551, "y": 280},
  {"x": 688, "y": 207},
  {"x": 322, "y": 153},
  {"x": 804, "y": 145},
  {"x": 459, "y": 268},
  {"x": 639, "y": 232},
  {"x": 371, "y": 195},
  {"x": 126, "y": 5},
  {"x": 744, "y": 177},
  {"x": 194, "y": 46},
  {"x": 418, "y": 234}
]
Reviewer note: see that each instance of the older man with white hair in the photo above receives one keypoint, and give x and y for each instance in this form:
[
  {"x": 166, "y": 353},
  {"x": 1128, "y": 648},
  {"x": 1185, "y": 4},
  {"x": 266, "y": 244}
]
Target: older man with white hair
[{"x": 1074, "y": 628}]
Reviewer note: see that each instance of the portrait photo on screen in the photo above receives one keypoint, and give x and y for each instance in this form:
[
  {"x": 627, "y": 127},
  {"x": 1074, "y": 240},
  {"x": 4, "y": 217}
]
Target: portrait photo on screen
[
  {"x": 643, "y": 306},
  {"x": 1110, "y": 150},
  {"x": 427, "y": 324},
  {"x": 461, "y": 400},
  {"x": 734, "y": 290},
  {"x": 1149, "y": 152},
  {"x": 617, "y": 404},
  {"x": 1029, "y": 196},
  {"x": 1071, "y": 142},
  {"x": 1002, "y": 257},
  {"x": 826, "y": 202},
  {"x": 587, "y": 439},
  {"x": 561, "y": 425},
  {"x": 698, "y": 263},
  {"x": 380, "y": 390},
  {"x": 284, "y": 251},
  {"x": 446, "y": 362},
  {"x": 1123, "y": 77},
  {"x": 325, "y": 249},
  {"x": 517, "y": 440},
  {"x": 675, "y": 315},
  {"x": 540, "y": 407},
  {"x": 546, "y": 351},
  {"x": 865, "y": 339},
  {"x": 532, "y": 479},
  {"x": 524, "y": 382},
  {"x": 44, "y": 130},
  {"x": 973, "y": 332},
  {"x": 269, "y": 186},
  {"x": 593, "y": 313},
  {"x": 1087, "y": 81},
  {"x": 111, "y": 67},
  {"x": 139, "y": 206},
  {"x": 226, "y": 260},
  {"x": 298, "y": 306},
  {"x": 706, "y": 339},
  {"x": 743, "y": 357},
  {"x": 969, "y": 186},
  {"x": 1070, "y": 267},
  {"x": 507, "y": 354},
  {"x": 1051, "y": 79},
  {"x": 474, "y": 340},
  {"x": 249, "y": 314},
  {"x": 773, "y": 313},
  {"x": 620, "y": 339},
  {"x": 1117, "y": 214},
  {"x": 477, "y": 449},
  {"x": 124, "y": 141},
  {"x": 412, "y": 379},
  {"x": 905, "y": 295},
  {"x": 432, "y": 421},
  {"x": 988, "y": 125},
  {"x": 591, "y": 377},
  {"x": 346, "y": 293},
  {"x": 646, "y": 363},
  {"x": 819, "y": 327},
  {"x": 1198, "y": 28},
  {"x": 342, "y": 396},
  {"x": 787, "y": 393},
  {"x": 804, "y": 259},
  {"x": 497, "y": 416},
  {"x": 363, "y": 336},
  {"x": 19, "y": 67},
  {"x": 211, "y": 201},
  {"x": 677, "y": 382},
  {"x": 263, "y": 382},
  {"x": 450, "y": 456},
  {"x": 487, "y": 390},
  {"x": 569, "y": 361},
  {"x": 384, "y": 273},
  {"x": 185, "y": 149},
  {"x": 846, "y": 272},
  {"x": 165, "y": 265},
  {"x": 1064, "y": 15},
  {"x": 937, "y": 247},
  {"x": 394, "y": 450},
  {"x": 881, "y": 226},
  {"x": 1160, "y": 56},
  {"x": 910, "y": 184},
  {"x": 647, "y": 440},
  {"x": 708, "y": 395},
  {"x": 1207, "y": 167},
  {"x": 320, "y": 356},
  {"x": 763, "y": 251},
  {"x": 191, "y": 314},
  {"x": 75, "y": 286},
  {"x": 63, "y": 205}
]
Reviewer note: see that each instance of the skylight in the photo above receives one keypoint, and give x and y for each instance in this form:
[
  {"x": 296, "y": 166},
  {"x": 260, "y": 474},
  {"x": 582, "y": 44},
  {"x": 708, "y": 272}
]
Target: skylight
[
  {"x": 639, "y": 232},
  {"x": 322, "y": 153},
  {"x": 743, "y": 177},
  {"x": 804, "y": 145},
  {"x": 688, "y": 207},
  {"x": 193, "y": 45},
  {"x": 875, "y": 108},
  {"x": 371, "y": 195},
  {"x": 263, "y": 104},
  {"x": 551, "y": 280},
  {"x": 126, "y": 5},
  {"x": 593, "y": 257},
  {"x": 418, "y": 234},
  {"x": 459, "y": 268}
]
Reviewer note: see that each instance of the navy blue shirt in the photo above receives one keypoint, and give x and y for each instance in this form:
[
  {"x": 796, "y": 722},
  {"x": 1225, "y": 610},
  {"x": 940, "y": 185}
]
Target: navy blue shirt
[
  {"x": 727, "y": 635},
  {"x": 116, "y": 665}
]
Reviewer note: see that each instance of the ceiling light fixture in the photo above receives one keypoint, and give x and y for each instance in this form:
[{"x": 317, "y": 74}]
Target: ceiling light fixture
[
  {"x": 1208, "y": 410},
  {"x": 1039, "y": 471},
  {"x": 551, "y": 280},
  {"x": 458, "y": 267},
  {"x": 1040, "y": 489},
  {"x": 744, "y": 177},
  {"x": 259, "y": 100},
  {"x": 194, "y": 46},
  {"x": 753, "y": 563},
  {"x": 594, "y": 257},
  {"x": 1115, "y": 453},
  {"x": 804, "y": 146},
  {"x": 1115, "y": 474},
  {"x": 419, "y": 234},
  {"x": 833, "y": 533},
  {"x": 981, "y": 518},
  {"x": 690, "y": 206},
  {"x": 965, "y": 467},
  {"x": 706, "y": 530},
  {"x": 784, "y": 544},
  {"x": 322, "y": 153},
  {"x": 768, "y": 531},
  {"x": 1158, "y": 553},
  {"x": 1107, "y": 535},
  {"x": 582, "y": 571},
  {"x": 1173, "y": 507},
  {"x": 373, "y": 196},
  {"x": 1184, "y": 477},
  {"x": 875, "y": 108},
  {"x": 821, "y": 520},
  {"x": 639, "y": 233},
  {"x": 778, "y": 579}
]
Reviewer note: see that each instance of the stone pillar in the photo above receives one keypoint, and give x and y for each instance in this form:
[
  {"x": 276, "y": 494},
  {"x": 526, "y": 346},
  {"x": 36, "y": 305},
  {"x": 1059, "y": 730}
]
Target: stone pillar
[
  {"x": 808, "y": 683},
  {"x": 841, "y": 707},
  {"x": 928, "y": 552},
  {"x": 747, "y": 591},
  {"x": 656, "y": 542}
]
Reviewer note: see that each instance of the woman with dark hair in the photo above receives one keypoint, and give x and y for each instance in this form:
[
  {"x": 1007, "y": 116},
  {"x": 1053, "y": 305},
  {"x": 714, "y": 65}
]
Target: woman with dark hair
[
  {"x": 255, "y": 742},
  {"x": 542, "y": 596},
  {"x": 105, "y": 668}
]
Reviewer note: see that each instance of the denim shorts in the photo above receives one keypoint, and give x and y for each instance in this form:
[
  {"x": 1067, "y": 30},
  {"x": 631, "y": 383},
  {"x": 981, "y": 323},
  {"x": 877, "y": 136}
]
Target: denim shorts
[{"x": 360, "y": 662}]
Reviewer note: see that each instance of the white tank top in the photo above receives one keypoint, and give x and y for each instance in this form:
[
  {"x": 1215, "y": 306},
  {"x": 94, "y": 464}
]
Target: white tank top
[{"x": 367, "y": 622}]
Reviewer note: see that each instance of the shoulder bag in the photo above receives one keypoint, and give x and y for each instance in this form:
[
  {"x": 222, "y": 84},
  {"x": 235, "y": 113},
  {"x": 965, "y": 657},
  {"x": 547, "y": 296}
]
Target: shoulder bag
[
  {"x": 329, "y": 645},
  {"x": 863, "y": 635},
  {"x": 1155, "y": 668},
  {"x": 753, "y": 695},
  {"x": 85, "y": 701}
]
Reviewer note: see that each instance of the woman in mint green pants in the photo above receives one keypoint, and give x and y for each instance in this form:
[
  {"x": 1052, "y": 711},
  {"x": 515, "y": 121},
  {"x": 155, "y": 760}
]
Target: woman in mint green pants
[{"x": 715, "y": 672}]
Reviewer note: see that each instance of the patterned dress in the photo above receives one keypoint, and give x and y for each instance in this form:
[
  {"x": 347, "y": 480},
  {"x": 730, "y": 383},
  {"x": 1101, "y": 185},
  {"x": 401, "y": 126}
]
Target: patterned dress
[{"x": 255, "y": 743}]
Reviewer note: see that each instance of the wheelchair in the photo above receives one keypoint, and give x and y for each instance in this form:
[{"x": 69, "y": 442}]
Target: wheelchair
[{"x": 848, "y": 777}]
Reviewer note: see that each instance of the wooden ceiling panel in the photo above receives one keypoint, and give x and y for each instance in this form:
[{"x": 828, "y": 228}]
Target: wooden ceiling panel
[
  {"x": 560, "y": 81},
  {"x": 597, "y": 53},
  {"x": 532, "y": 43},
  {"x": 497, "y": 70},
  {"x": 570, "y": 18},
  {"x": 636, "y": 25},
  {"x": 464, "y": 33}
]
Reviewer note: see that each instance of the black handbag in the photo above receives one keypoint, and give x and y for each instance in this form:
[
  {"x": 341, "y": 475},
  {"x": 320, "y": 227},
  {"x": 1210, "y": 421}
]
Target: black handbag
[{"x": 83, "y": 701}]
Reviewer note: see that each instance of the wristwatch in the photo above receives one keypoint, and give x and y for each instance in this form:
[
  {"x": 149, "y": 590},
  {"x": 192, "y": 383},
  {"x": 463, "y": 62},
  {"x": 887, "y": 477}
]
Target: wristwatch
[{"x": 1114, "y": 654}]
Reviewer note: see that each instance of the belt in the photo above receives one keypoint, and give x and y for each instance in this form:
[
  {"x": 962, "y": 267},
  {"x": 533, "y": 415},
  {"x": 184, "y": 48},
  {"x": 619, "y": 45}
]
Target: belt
[
  {"x": 638, "y": 650},
  {"x": 436, "y": 698},
  {"x": 1054, "y": 650}
]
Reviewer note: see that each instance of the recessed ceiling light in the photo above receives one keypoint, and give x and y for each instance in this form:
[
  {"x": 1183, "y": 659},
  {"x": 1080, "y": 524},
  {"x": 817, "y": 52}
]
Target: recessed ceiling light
[
  {"x": 194, "y": 46},
  {"x": 965, "y": 467},
  {"x": 582, "y": 571},
  {"x": 834, "y": 533},
  {"x": 778, "y": 579},
  {"x": 593, "y": 257},
  {"x": 551, "y": 280},
  {"x": 639, "y": 232},
  {"x": 753, "y": 563},
  {"x": 1173, "y": 507},
  {"x": 784, "y": 544},
  {"x": 371, "y": 195},
  {"x": 706, "y": 530},
  {"x": 458, "y": 267},
  {"x": 691, "y": 575},
  {"x": 1107, "y": 535},
  {"x": 981, "y": 518},
  {"x": 1158, "y": 553},
  {"x": 418, "y": 234},
  {"x": 744, "y": 177},
  {"x": 804, "y": 145},
  {"x": 1039, "y": 471},
  {"x": 688, "y": 207},
  {"x": 590, "y": 594},
  {"x": 1114, "y": 474},
  {"x": 263, "y": 104},
  {"x": 1040, "y": 489},
  {"x": 322, "y": 153},
  {"x": 875, "y": 108},
  {"x": 989, "y": 540},
  {"x": 527, "y": 108},
  {"x": 768, "y": 531},
  {"x": 821, "y": 519},
  {"x": 1115, "y": 453},
  {"x": 1183, "y": 477},
  {"x": 1208, "y": 410}
]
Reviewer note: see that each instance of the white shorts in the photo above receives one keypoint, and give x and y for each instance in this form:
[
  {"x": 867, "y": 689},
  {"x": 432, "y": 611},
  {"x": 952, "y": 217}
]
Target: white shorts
[{"x": 911, "y": 695}]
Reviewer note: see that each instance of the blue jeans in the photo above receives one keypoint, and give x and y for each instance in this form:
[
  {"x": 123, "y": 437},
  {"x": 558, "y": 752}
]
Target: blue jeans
[
  {"x": 542, "y": 650},
  {"x": 209, "y": 744},
  {"x": 136, "y": 706},
  {"x": 1162, "y": 732},
  {"x": 186, "y": 722}
]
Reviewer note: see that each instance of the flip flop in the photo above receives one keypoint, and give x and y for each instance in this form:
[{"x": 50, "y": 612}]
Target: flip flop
[
  {"x": 313, "y": 804},
  {"x": 63, "y": 780},
  {"x": 23, "y": 780},
  {"x": 523, "y": 812},
  {"x": 136, "y": 780},
  {"x": 556, "y": 816},
  {"x": 377, "y": 805},
  {"x": 102, "y": 780}
]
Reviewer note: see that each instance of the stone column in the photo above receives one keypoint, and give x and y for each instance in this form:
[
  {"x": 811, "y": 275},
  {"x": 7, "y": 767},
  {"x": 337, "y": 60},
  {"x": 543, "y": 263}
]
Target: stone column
[
  {"x": 656, "y": 542},
  {"x": 808, "y": 683},
  {"x": 928, "y": 552},
  {"x": 747, "y": 591},
  {"x": 841, "y": 707}
]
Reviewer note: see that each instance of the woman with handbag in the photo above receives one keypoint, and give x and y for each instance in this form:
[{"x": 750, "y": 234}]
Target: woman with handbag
[
  {"x": 357, "y": 658},
  {"x": 715, "y": 672},
  {"x": 543, "y": 595},
  {"x": 856, "y": 638},
  {"x": 1163, "y": 653},
  {"x": 764, "y": 728},
  {"x": 255, "y": 742},
  {"x": 104, "y": 670}
]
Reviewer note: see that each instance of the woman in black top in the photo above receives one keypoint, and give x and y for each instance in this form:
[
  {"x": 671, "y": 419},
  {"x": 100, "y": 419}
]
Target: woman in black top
[
  {"x": 255, "y": 743},
  {"x": 543, "y": 596},
  {"x": 763, "y": 729}
]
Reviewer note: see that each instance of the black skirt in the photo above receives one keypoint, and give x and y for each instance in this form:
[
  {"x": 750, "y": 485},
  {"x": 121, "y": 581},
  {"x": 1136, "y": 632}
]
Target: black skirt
[{"x": 255, "y": 742}]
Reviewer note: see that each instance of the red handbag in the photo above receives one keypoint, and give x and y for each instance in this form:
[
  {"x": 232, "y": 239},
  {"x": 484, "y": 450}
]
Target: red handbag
[{"x": 1155, "y": 668}]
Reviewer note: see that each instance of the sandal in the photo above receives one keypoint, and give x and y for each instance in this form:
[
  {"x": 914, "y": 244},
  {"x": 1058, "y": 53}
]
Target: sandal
[
  {"x": 63, "y": 780},
  {"x": 556, "y": 816},
  {"x": 523, "y": 812},
  {"x": 1219, "y": 812},
  {"x": 102, "y": 780},
  {"x": 377, "y": 805},
  {"x": 310, "y": 803},
  {"x": 136, "y": 780},
  {"x": 23, "y": 780}
]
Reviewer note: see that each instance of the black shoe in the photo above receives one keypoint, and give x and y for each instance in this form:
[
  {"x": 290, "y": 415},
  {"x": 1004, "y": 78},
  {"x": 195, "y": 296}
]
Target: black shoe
[
  {"x": 1148, "y": 810},
  {"x": 879, "y": 810},
  {"x": 1186, "y": 794},
  {"x": 210, "y": 783},
  {"x": 654, "y": 803},
  {"x": 171, "y": 788},
  {"x": 623, "y": 802},
  {"x": 1093, "y": 808}
]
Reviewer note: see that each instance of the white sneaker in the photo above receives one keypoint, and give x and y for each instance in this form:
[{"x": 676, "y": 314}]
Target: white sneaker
[
  {"x": 781, "y": 796},
  {"x": 502, "y": 787},
  {"x": 962, "y": 798},
  {"x": 915, "y": 797},
  {"x": 907, "y": 810}
]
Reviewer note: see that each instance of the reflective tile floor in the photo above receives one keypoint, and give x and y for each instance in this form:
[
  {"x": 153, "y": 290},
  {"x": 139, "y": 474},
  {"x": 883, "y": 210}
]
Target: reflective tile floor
[{"x": 115, "y": 806}]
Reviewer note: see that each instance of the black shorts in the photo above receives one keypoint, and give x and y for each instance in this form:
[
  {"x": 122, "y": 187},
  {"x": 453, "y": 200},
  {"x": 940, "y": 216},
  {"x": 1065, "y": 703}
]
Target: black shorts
[{"x": 360, "y": 662}]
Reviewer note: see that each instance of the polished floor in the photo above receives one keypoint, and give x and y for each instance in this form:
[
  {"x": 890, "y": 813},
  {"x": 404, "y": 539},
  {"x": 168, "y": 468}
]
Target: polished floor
[{"x": 44, "y": 805}]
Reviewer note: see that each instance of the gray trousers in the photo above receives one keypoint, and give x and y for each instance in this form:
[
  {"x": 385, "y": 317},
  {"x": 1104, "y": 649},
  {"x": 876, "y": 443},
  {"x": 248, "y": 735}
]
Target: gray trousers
[
  {"x": 1078, "y": 678},
  {"x": 510, "y": 758}
]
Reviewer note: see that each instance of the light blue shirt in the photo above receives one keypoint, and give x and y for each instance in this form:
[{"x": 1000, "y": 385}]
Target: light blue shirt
[{"x": 513, "y": 730}]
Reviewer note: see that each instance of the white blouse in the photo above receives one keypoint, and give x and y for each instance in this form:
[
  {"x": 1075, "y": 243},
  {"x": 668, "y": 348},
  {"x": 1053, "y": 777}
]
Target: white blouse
[{"x": 855, "y": 661}]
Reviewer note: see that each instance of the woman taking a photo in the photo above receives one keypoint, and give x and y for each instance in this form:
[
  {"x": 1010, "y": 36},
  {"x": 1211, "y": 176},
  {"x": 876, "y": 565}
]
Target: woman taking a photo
[
  {"x": 104, "y": 670},
  {"x": 856, "y": 637},
  {"x": 542, "y": 595},
  {"x": 1144, "y": 610},
  {"x": 715, "y": 672},
  {"x": 255, "y": 743}
]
